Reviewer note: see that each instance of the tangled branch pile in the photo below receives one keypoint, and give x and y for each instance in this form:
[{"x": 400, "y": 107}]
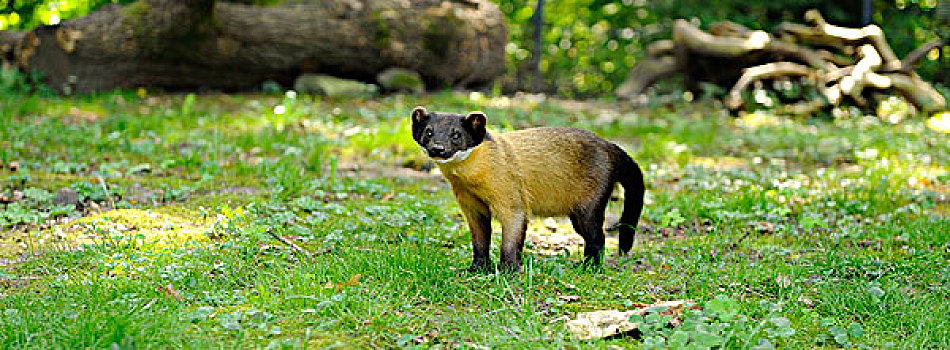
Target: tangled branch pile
[{"x": 840, "y": 64}]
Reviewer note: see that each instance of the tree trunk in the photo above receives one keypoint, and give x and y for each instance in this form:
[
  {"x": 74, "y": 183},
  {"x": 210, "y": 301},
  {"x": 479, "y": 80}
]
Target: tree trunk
[
  {"x": 538, "y": 21},
  {"x": 204, "y": 44}
]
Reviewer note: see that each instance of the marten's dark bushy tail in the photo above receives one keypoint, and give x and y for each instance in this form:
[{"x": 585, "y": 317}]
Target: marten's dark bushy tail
[{"x": 628, "y": 173}]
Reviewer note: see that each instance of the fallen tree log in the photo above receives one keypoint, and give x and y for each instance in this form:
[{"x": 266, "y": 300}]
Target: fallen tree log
[
  {"x": 207, "y": 44},
  {"x": 841, "y": 64}
]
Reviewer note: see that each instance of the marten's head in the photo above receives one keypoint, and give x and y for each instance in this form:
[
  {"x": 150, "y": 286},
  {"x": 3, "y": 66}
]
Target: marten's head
[{"x": 447, "y": 137}]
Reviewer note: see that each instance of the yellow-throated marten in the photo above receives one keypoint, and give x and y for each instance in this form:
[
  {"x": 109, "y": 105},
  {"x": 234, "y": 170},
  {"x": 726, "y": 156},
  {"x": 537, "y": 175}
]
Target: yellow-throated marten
[{"x": 548, "y": 171}]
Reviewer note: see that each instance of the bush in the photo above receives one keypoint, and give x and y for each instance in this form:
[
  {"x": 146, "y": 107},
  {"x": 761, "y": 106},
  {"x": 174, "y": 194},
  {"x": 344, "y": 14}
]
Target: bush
[{"x": 11, "y": 81}]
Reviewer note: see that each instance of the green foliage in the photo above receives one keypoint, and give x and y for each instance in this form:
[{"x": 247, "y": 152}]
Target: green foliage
[
  {"x": 672, "y": 218},
  {"x": 588, "y": 45},
  {"x": 837, "y": 335},
  {"x": 11, "y": 81},
  {"x": 26, "y": 14},
  {"x": 35, "y": 207},
  {"x": 719, "y": 324}
]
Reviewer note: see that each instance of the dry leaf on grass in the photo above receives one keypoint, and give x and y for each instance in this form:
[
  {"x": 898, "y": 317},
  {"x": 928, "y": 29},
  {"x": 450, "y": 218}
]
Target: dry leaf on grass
[
  {"x": 606, "y": 323},
  {"x": 764, "y": 227},
  {"x": 353, "y": 282},
  {"x": 170, "y": 292},
  {"x": 569, "y": 298},
  {"x": 77, "y": 115}
]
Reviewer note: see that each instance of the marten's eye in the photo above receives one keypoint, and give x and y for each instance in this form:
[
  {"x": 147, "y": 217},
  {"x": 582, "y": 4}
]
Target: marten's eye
[
  {"x": 428, "y": 132},
  {"x": 456, "y": 136}
]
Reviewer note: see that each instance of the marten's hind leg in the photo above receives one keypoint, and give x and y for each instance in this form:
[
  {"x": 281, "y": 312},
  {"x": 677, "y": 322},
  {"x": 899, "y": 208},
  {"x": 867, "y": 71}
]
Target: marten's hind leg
[{"x": 588, "y": 221}]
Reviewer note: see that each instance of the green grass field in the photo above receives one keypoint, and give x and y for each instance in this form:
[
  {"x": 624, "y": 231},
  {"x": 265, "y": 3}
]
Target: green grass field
[{"x": 813, "y": 233}]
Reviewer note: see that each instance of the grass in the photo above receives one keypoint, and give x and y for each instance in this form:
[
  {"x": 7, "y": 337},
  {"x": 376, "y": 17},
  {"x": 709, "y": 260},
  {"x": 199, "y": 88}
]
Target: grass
[{"x": 839, "y": 227}]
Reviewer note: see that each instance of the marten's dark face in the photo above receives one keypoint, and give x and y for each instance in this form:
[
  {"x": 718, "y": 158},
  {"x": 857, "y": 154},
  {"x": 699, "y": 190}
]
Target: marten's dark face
[{"x": 441, "y": 135}]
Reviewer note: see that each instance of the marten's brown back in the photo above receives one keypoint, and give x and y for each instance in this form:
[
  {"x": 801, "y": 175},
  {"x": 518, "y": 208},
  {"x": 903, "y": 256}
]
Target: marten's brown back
[{"x": 560, "y": 168}]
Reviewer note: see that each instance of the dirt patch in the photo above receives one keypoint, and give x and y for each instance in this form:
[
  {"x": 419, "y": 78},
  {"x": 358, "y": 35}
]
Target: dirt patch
[
  {"x": 8, "y": 285},
  {"x": 248, "y": 191},
  {"x": 357, "y": 170}
]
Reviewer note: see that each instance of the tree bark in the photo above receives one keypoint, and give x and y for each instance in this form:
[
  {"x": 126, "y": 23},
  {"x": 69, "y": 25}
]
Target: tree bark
[
  {"x": 207, "y": 44},
  {"x": 8, "y": 41}
]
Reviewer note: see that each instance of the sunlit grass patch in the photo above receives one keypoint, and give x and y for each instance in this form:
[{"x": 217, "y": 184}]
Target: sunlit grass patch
[
  {"x": 121, "y": 229},
  {"x": 164, "y": 225}
]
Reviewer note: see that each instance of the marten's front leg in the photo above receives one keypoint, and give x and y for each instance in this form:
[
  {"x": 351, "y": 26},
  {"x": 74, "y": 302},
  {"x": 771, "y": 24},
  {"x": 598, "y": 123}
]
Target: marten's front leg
[
  {"x": 478, "y": 218},
  {"x": 514, "y": 223}
]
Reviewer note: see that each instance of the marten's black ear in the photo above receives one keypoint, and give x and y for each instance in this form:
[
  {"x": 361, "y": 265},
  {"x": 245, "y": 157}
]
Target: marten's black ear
[
  {"x": 419, "y": 115},
  {"x": 420, "y": 118},
  {"x": 474, "y": 122}
]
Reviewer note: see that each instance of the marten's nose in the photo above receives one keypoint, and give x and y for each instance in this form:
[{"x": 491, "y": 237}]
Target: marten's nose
[{"x": 436, "y": 150}]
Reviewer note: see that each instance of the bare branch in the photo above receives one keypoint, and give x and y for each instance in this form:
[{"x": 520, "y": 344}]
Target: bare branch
[
  {"x": 289, "y": 243},
  {"x": 914, "y": 57},
  {"x": 661, "y": 48},
  {"x": 917, "y": 91},
  {"x": 645, "y": 73},
  {"x": 729, "y": 28},
  {"x": 853, "y": 84},
  {"x": 870, "y": 33},
  {"x": 697, "y": 40},
  {"x": 768, "y": 70}
]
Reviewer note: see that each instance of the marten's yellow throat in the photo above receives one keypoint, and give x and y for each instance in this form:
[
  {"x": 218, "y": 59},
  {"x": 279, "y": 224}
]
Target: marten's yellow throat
[{"x": 550, "y": 171}]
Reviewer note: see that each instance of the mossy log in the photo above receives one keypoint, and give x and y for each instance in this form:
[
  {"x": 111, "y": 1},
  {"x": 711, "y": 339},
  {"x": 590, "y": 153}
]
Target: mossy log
[{"x": 230, "y": 46}]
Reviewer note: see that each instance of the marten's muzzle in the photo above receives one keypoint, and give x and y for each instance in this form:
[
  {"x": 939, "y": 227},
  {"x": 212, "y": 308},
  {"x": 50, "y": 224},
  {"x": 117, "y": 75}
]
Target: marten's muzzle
[{"x": 438, "y": 151}]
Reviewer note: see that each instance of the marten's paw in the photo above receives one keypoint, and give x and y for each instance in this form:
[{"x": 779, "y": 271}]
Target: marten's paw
[
  {"x": 482, "y": 268},
  {"x": 510, "y": 267},
  {"x": 590, "y": 265}
]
